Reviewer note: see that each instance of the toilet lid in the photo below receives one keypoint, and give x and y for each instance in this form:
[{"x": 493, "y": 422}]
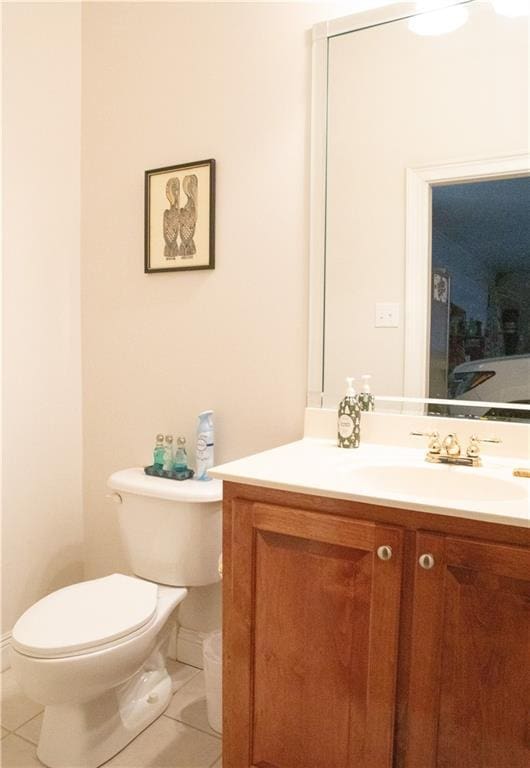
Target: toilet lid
[{"x": 85, "y": 616}]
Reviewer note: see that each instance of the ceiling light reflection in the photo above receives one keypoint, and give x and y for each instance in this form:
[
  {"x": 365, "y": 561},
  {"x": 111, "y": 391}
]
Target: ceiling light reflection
[{"x": 434, "y": 18}]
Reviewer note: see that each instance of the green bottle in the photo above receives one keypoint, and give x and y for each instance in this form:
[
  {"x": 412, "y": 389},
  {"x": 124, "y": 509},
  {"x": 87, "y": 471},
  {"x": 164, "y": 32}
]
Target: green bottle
[
  {"x": 168, "y": 454},
  {"x": 181, "y": 457},
  {"x": 158, "y": 452},
  {"x": 349, "y": 419}
]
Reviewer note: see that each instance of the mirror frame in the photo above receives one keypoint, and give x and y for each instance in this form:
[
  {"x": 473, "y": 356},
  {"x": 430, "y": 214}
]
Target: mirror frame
[{"x": 419, "y": 182}]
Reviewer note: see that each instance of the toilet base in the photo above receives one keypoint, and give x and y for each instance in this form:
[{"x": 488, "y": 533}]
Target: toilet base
[{"x": 88, "y": 734}]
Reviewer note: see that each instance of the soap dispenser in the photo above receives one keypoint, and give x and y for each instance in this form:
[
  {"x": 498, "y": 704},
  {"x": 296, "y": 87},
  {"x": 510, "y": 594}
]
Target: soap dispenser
[
  {"x": 349, "y": 419},
  {"x": 365, "y": 398}
]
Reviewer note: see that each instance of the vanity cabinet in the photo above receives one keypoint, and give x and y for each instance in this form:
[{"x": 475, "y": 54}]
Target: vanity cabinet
[
  {"x": 310, "y": 643},
  {"x": 341, "y": 650},
  {"x": 469, "y": 689}
]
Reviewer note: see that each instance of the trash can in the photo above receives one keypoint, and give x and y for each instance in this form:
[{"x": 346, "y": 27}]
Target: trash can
[{"x": 212, "y": 651}]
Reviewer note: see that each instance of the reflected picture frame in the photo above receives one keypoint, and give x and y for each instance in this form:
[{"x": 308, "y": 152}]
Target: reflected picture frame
[{"x": 179, "y": 217}]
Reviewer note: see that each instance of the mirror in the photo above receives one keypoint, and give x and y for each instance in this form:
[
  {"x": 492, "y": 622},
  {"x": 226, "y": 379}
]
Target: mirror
[
  {"x": 479, "y": 346},
  {"x": 420, "y": 211}
]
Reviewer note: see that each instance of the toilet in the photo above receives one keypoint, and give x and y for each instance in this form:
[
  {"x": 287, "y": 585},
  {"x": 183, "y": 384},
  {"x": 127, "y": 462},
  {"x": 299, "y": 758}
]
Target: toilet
[{"x": 94, "y": 653}]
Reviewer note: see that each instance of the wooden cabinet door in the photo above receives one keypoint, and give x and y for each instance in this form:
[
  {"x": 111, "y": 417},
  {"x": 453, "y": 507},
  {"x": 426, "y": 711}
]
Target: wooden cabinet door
[
  {"x": 310, "y": 639},
  {"x": 469, "y": 686}
]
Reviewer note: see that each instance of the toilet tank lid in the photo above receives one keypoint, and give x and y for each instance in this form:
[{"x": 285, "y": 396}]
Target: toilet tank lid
[
  {"x": 135, "y": 481},
  {"x": 85, "y": 615}
]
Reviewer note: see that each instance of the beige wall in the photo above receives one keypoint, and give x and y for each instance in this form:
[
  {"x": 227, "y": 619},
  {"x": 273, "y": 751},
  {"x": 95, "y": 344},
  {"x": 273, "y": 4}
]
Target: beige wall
[
  {"x": 166, "y": 84},
  {"x": 162, "y": 83},
  {"x": 42, "y": 513},
  {"x": 399, "y": 100}
]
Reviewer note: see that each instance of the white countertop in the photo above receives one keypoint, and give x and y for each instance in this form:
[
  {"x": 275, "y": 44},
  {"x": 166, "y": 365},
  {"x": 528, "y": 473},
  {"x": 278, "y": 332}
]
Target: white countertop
[{"x": 319, "y": 468}]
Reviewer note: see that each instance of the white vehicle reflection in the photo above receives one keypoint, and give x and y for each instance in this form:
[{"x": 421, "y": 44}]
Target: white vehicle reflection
[{"x": 495, "y": 379}]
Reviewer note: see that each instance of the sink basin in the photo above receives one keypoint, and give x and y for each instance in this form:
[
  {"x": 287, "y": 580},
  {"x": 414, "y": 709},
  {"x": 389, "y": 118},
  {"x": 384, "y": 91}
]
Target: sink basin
[{"x": 436, "y": 482}]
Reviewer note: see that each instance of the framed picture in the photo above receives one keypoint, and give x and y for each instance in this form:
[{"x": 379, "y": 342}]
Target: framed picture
[{"x": 180, "y": 217}]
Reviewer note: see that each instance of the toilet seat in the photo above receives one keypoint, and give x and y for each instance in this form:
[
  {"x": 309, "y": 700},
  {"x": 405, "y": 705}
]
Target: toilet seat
[{"x": 85, "y": 616}]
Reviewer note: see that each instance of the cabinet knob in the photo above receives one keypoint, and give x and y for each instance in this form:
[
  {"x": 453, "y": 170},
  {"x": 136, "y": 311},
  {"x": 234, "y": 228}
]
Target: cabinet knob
[
  {"x": 426, "y": 561},
  {"x": 384, "y": 552}
]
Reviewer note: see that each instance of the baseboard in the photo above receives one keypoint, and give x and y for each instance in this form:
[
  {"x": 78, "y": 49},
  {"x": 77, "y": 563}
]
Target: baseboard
[
  {"x": 5, "y": 645},
  {"x": 189, "y": 646}
]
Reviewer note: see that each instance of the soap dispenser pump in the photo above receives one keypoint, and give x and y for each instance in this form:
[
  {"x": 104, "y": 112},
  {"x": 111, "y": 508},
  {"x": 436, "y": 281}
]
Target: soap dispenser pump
[
  {"x": 365, "y": 398},
  {"x": 349, "y": 419}
]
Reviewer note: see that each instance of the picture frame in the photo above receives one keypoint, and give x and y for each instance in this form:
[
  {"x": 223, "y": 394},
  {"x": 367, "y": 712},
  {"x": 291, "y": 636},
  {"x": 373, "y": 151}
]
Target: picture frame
[{"x": 180, "y": 234}]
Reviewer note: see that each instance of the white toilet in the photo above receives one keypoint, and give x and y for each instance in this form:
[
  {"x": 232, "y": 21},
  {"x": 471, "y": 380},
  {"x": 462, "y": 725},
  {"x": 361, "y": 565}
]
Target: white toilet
[{"x": 94, "y": 653}]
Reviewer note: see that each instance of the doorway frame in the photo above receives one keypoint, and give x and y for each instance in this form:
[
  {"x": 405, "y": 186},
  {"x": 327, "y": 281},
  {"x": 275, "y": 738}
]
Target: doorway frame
[{"x": 418, "y": 251}]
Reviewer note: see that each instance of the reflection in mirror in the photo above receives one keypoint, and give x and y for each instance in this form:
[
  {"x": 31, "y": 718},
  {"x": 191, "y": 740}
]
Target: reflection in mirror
[
  {"x": 480, "y": 299},
  {"x": 482, "y": 410},
  {"x": 405, "y": 120}
]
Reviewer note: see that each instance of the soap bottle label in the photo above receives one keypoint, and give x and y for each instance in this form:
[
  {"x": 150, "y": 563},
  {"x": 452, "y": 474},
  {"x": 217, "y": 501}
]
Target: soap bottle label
[
  {"x": 349, "y": 423},
  {"x": 345, "y": 426}
]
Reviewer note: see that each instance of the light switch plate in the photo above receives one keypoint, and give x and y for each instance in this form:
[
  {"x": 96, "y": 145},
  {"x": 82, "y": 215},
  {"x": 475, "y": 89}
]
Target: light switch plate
[{"x": 386, "y": 315}]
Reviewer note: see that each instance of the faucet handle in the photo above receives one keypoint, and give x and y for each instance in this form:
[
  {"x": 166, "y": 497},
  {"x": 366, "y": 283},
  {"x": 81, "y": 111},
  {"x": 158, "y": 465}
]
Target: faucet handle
[
  {"x": 473, "y": 449},
  {"x": 435, "y": 446},
  {"x": 451, "y": 444}
]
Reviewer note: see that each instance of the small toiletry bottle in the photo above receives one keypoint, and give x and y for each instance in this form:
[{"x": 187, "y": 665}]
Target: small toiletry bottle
[
  {"x": 365, "y": 398},
  {"x": 181, "y": 457},
  {"x": 349, "y": 419},
  {"x": 168, "y": 454},
  {"x": 204, "y": 447},
  {"x": 158, "y": 453}
]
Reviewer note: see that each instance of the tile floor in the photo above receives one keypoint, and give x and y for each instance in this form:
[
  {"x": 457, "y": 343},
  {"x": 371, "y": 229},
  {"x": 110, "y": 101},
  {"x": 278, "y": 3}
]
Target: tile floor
[{"x": 180, "y": 738}]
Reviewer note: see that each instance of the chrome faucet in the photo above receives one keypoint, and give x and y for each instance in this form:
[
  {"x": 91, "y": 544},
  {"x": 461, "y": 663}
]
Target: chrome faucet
[{"x": 448, "y": 451}]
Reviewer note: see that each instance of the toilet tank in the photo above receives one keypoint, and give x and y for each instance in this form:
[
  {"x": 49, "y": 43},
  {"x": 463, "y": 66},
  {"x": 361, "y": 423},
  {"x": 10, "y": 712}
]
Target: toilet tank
[{"x": 171, "y": 528}]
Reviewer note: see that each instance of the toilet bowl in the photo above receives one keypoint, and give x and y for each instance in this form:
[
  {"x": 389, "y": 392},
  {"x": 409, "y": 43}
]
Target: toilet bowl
[{"x": 94, "y": 653}]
